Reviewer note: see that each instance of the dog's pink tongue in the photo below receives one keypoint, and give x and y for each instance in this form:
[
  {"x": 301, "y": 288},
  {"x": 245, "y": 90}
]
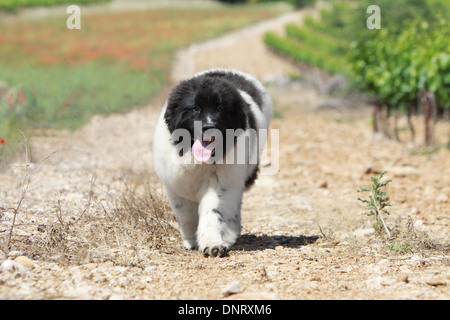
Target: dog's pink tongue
[{"x": 200, "y": 152}]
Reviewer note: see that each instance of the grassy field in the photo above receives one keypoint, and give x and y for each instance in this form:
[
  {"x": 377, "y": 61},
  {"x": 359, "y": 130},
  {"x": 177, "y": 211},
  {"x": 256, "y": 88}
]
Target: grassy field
[
  {"x": 13, "y": 5},
  {"x": 52, "y": 77},
  {"x": 318, "y": 43}
]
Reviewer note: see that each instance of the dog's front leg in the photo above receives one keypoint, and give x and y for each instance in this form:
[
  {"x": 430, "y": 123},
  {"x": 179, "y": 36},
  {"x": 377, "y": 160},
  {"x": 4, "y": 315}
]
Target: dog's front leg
[
  {"x": 219, "y": 220},
  {"x": 186, "y": 213}
]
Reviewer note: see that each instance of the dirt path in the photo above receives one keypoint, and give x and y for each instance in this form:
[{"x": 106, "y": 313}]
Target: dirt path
[{"x": 304, "y": 236}]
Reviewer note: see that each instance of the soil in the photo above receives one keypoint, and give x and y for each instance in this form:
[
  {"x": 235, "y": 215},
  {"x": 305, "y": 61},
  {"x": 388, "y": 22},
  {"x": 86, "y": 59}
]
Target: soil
[{"x": 304, "y": 232}]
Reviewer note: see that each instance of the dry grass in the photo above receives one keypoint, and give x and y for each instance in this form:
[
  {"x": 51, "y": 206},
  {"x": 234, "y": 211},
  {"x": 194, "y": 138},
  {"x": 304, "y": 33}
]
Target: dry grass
[
  {"x": 126, "y": 230},
  {"x": 136, "y": 223},
  {"x": 404, "y": 232}
]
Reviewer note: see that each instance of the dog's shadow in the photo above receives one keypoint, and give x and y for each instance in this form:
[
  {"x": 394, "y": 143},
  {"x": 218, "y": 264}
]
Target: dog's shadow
[{"x": 251, "y": 242}]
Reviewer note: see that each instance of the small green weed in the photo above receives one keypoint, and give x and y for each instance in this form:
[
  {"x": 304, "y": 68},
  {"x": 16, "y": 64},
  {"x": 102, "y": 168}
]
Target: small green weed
[
  {"x": 401, "y": 248},
  {"x": 377, "y": 203}
]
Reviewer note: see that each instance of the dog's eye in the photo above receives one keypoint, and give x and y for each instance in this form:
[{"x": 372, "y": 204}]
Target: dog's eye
[
  {"x": 220, "y": 107},
  {"x": 196, "y": 109}
]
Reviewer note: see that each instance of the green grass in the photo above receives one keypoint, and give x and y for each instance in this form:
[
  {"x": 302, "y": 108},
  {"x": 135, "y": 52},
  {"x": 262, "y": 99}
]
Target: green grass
[
  {"x": 306, "y": 52},
  {"x": 65, "y": 97},
  {"x": 320, "y": 25},
  {"x": 316, "y": 38},
  {"x": 319, "y": 43},
  {"x": 13, "y": 5},
  {"x": 115, "y": 62}
]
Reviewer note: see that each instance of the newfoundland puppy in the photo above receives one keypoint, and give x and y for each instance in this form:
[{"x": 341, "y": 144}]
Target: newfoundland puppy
[{"x": 206, "y": 149}]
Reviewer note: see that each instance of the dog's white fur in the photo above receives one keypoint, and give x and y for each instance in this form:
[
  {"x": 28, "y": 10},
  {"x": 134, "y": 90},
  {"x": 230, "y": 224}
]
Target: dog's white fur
[{"x": 206, "y": 198}]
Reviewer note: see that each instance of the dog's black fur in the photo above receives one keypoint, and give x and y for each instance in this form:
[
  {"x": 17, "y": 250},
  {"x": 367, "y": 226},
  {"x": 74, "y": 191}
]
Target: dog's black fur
[{"x": 212, "y": 96}]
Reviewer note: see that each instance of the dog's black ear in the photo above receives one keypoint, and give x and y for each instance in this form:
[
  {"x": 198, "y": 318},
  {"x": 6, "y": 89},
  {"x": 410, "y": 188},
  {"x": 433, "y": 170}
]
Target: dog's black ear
[
  {"x": 171, "y": 117},
  {"x": 177, "y": 101},
  {"x": 240, "y": 114}
]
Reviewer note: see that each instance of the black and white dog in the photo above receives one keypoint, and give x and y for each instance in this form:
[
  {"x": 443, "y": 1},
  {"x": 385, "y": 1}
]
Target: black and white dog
[{"x": 206, "y": 148}]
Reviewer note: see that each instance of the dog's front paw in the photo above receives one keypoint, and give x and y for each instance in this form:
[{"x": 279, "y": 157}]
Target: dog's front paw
[{"x": 215, "y": 251}]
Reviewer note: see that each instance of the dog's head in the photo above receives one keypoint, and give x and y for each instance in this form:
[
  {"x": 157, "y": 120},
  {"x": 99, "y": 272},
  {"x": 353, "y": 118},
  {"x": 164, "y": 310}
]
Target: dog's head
[{"x": 206, "y": 107}]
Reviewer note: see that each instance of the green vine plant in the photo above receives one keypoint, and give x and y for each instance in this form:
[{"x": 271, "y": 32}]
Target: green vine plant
[{"x": 377, "y": 203}]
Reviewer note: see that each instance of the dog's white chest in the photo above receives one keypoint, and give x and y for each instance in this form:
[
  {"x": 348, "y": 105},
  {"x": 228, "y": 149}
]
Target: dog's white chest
[{"x": 190, "y": 182}]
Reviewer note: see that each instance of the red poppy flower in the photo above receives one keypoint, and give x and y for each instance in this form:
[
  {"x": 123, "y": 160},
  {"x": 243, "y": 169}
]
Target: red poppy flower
[
  {"x": 21, "y": 96},
  {"x": 2, "y": 141}
]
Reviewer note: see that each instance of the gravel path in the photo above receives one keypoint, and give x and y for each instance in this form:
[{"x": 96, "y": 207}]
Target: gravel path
[{"x": 304, "y": 236}]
